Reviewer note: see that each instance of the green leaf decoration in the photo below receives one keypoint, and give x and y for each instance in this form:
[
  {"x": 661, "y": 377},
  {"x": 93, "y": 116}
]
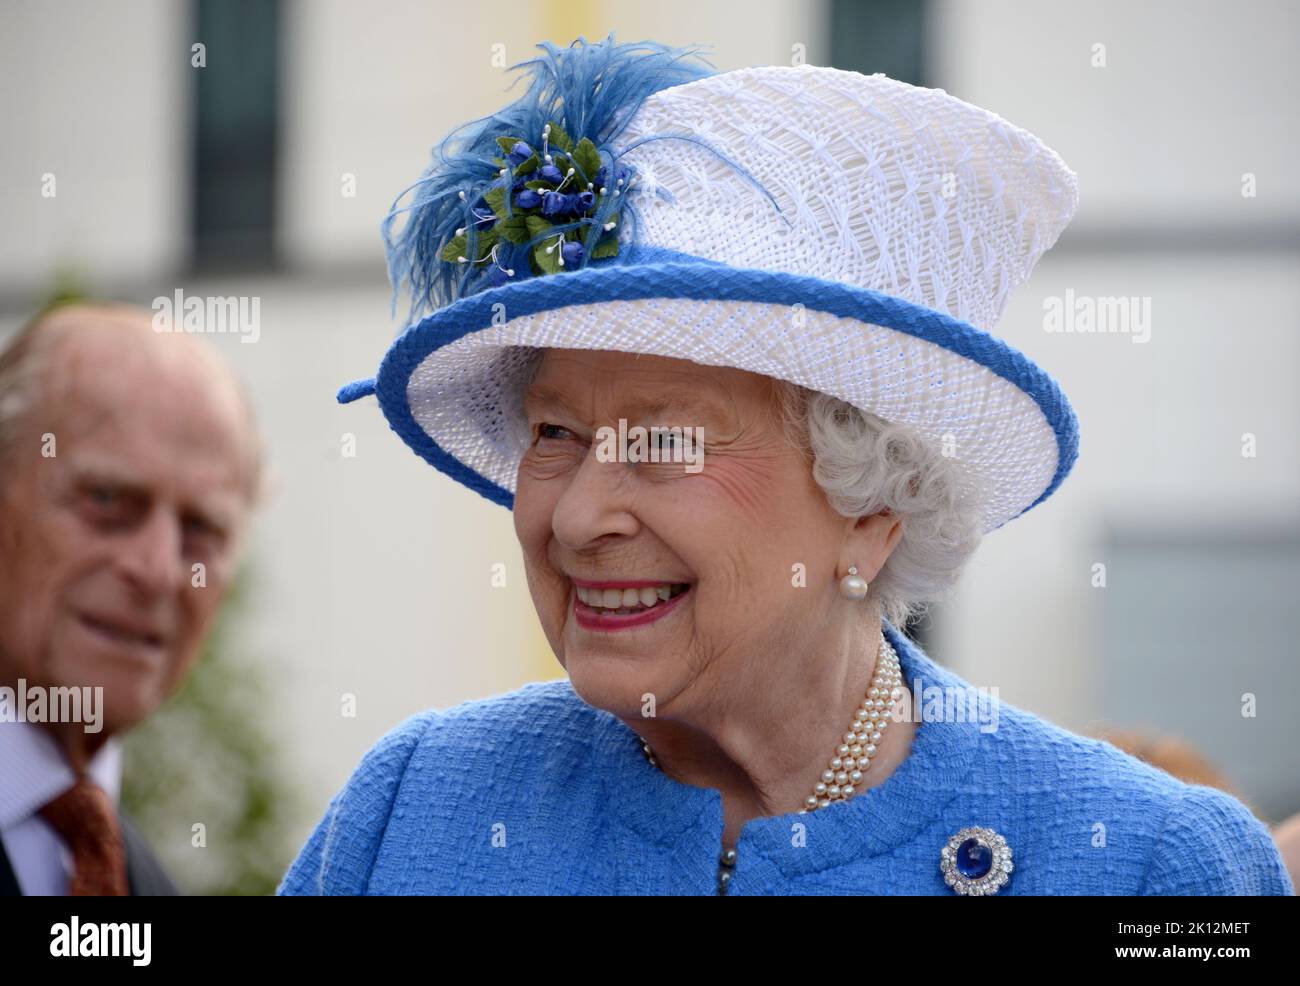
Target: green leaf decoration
[
  {"x": 608, "y": 247},
  {"x": 459, "y": 246},
  {"x": 548, "y": 263},
  {"x": 455, "y": 249},
  {"x": 529, "y": 166},
  {"x": 538, "y": 225},
  {"x": 538, "y": 185},
  {"x": 560, "y": 139},
  {"x": 587, "y": 159},
  {"x": 507, "y": 144},
  {"x": 487, "y": 239},
  {"x": 515, "y": 229},
  {"x": 496, "y": 200}
]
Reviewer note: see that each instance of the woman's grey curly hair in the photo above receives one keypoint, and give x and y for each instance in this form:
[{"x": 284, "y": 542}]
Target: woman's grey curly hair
[{"x": 867, "y": 465}]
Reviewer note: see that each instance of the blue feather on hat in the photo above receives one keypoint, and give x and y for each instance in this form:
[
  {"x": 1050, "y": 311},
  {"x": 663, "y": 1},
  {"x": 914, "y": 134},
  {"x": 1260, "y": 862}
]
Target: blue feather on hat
[{"x": 590, "y": 90}]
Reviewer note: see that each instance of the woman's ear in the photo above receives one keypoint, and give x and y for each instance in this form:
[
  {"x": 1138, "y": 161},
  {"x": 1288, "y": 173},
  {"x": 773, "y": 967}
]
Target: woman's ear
[
  {"x": 870, "y": 541},
  {"x": 894, "y": 532}
]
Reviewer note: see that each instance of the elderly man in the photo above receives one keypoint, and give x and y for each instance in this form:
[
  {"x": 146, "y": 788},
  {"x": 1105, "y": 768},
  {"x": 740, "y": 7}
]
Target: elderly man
[{"x": 128, "y": 465}]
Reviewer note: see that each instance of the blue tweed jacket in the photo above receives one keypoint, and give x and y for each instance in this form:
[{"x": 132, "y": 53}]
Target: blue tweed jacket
[{"x": 536, "y": 792}]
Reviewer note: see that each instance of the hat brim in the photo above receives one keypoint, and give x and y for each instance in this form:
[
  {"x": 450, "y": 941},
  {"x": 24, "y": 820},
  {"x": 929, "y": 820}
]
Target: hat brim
[{"x": 450, "y": 385}]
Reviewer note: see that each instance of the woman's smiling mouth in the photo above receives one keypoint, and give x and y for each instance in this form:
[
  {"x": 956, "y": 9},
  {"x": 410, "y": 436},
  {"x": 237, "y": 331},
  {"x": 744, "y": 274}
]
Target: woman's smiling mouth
[{"x": 621, "y": 606}]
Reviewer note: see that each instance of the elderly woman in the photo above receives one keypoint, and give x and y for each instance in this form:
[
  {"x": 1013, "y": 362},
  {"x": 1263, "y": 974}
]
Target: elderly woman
[{"x": 721, "y": 342}]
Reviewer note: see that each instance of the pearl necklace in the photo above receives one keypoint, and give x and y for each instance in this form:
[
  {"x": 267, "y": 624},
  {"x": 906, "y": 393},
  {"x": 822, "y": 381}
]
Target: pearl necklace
[{"x": 853, "y": 756}]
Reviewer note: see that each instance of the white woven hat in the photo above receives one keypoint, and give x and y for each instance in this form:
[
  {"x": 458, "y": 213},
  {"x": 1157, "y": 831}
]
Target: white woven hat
[{"x": 854, "y": 234}]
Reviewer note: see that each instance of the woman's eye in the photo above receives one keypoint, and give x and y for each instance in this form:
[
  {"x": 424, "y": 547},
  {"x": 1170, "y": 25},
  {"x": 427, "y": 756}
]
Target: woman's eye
[{"x": 544, "y": 431}]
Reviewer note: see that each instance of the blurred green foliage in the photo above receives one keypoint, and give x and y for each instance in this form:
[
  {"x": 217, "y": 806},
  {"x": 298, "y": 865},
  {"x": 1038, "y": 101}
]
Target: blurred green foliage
[{"x": 205, "y": 758}]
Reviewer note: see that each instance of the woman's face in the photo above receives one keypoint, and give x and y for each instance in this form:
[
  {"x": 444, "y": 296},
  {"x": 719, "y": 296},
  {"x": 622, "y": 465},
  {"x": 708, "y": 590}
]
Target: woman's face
[{"x": 750, "y": 531}]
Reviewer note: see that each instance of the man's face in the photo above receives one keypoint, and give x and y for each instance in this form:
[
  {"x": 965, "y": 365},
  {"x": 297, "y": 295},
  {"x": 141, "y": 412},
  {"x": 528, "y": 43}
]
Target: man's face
[{"x": 118, "y": 548}]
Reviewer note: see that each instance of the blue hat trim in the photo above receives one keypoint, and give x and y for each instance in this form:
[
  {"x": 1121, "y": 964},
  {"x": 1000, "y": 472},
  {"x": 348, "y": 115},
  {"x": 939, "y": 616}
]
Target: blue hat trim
[
  {"x": 356, "y": 390},
  {"x": 651, "y": 272}
]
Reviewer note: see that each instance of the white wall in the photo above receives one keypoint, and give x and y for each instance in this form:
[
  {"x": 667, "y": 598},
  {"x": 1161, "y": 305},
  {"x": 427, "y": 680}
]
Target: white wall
[
  {"x": 1193, "y": 95},
  {"x": 93, "y": 94}
]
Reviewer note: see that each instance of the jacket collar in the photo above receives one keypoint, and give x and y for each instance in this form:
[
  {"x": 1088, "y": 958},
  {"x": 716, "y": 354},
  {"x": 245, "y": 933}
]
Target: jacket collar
[{"x": 669, "y": 813}]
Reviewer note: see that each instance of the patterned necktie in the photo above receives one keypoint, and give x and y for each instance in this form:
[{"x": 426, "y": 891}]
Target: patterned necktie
[{"x": 85, "y": 817}]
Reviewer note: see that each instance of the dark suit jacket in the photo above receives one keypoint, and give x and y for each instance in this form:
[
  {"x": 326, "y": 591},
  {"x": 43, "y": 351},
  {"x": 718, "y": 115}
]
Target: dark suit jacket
[{"x": 144, "y": 873}]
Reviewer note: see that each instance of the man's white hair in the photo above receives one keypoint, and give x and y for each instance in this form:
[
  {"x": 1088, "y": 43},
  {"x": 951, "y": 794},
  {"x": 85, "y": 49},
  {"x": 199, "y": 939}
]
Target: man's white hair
[
  {"x": 27, "y": 360},
  {"x": 22, "y": 362}
]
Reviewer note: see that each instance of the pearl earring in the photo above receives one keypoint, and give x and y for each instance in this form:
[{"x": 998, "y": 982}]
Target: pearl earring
[{"x": 853, "y": 585}]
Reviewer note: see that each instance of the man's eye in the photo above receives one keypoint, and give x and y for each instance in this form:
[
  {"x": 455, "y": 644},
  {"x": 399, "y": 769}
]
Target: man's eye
[
  {"x": 103, "y": 502},
  {"x": 108, "y": 507},
  {"x": 200, "y": 533}
]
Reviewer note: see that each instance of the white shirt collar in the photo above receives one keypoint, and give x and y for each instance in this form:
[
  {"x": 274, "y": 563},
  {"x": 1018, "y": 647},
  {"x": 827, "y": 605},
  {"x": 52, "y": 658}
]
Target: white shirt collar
[{"x": 33, "y": 770}]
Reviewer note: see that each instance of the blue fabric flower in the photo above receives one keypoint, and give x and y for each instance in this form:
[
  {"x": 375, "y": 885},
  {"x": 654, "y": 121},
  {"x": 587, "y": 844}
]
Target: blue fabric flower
[
  {"x": 555, "y": 204},
  {"x": 528, "y": 199},
  {"x": 550, "y": 173},
  {"x": 572, "y": 253},
  {"x": 520, "y": 153}
]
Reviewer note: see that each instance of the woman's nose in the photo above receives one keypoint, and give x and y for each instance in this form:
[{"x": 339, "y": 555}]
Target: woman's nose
[{"x": 597, "y": 503}]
